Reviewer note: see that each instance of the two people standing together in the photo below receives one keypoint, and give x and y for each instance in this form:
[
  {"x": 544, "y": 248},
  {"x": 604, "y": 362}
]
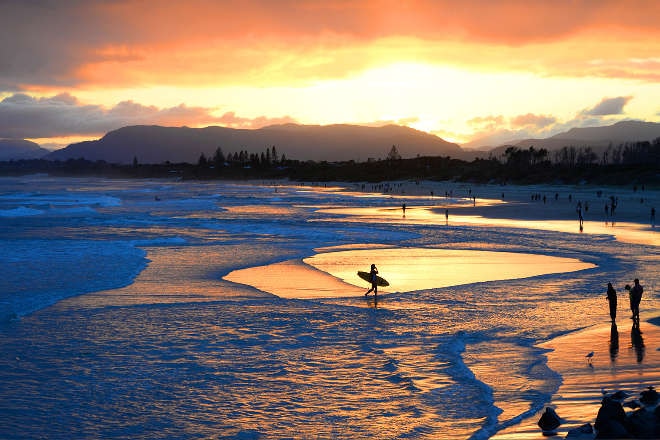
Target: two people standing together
[{"x": 635, "y": 293}]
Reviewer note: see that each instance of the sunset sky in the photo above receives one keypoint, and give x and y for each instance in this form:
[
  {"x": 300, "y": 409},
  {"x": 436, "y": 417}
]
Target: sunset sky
[{"x": 479, "y": 70}]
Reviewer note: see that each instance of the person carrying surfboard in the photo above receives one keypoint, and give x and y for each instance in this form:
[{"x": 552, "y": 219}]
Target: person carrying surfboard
[{"x": 373, "y": 275}]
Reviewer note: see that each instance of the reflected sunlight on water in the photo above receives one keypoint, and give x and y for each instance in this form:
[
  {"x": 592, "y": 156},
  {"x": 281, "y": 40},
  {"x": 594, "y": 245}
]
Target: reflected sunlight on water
[
  {"x": 437, "y": 215},
  {"x": 407, "y": 269},
  {"x": 625, "y": 232},
  {"x": 180, "y": 352}
]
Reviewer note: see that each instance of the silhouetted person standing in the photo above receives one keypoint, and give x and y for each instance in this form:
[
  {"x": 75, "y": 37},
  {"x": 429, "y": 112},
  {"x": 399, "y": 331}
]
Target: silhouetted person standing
[
  {"x": 611, "y": 298},
  {"x": 579, "y": 213},
  {"x": 635, "y": 298}
]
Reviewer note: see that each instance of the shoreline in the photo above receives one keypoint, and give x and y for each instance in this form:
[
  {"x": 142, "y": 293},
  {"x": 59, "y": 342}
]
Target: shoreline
[
  {"x": 623, "y": 360},
  {"x": 577, "y": 398},
  {"x": 521, "y": 206},
  {"x": 633, "y": 203},
  {"x": 630, "y": 366},
  {"x": 616, "y": 364}
]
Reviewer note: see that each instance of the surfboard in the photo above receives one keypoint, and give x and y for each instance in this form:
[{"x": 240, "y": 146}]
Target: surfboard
[{"x": 382, "y": 282}]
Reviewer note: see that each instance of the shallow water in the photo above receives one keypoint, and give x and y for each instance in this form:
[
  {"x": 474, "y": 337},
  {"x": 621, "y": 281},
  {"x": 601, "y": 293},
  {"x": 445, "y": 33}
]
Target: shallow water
[
  {"x": 146, "y": 340},
  {"x": 407, "y": 269}
]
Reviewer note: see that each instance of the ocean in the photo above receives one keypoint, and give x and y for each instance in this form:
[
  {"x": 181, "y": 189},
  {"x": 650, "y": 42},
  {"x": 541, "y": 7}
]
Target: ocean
[{"x": 118, "y": 318}]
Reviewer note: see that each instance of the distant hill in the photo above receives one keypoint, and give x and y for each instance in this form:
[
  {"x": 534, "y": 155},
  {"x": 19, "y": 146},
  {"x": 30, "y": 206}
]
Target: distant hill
[
  {"x": 624, "y": 131},
  {"x": 17, "y": 149},
  {"x": 156, "y": 144},
  {"x": 598, "y": 138}
]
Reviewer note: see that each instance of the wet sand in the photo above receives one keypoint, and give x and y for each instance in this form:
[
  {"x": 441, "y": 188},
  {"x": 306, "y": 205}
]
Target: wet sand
[
  {"x": 578, "y": 398},
  {"x": 624, "y": 359},
  {"x": 553, "y": 208}
]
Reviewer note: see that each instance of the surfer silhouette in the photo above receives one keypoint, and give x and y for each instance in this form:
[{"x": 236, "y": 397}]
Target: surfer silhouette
[{"x": 373, "y": 277}]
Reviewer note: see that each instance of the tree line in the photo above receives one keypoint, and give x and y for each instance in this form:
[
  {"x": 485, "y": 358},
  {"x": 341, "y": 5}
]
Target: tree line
[
  {"x": 268, "y": 157},
  {"x": 629, "y": 153},
  {"x": 632, "y": 163}
]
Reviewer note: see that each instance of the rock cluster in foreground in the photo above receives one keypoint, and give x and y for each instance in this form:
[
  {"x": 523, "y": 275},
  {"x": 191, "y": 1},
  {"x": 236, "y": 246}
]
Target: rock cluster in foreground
[{"x": 612, "y": 421}]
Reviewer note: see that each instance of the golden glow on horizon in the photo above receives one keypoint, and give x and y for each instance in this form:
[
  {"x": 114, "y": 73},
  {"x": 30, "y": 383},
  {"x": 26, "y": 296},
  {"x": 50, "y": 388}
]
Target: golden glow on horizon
[
  {"x": 55, "y": 143},
  {"x": 422, "y": 96},
  {"x": 436, "y": 99},
  {"x": 428, "y": 65}
]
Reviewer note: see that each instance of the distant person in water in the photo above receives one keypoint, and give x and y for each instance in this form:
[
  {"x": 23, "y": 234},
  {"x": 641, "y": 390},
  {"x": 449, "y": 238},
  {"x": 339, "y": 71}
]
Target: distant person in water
[
  {"x": 579, "y": 213},
  {"x": 403, "y": 207},
  {"x": 611, "y": 298},
  {"x": 373, "y": 276},
  {"x": 653, "y": 217}
]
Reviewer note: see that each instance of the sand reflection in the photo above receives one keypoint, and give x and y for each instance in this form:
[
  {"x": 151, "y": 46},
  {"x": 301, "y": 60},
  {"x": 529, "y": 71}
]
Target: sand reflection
[
  {"x": 333, "y": 274},
  {"x": 623, "y": 231},
  {"x": 449, "y": 214}
]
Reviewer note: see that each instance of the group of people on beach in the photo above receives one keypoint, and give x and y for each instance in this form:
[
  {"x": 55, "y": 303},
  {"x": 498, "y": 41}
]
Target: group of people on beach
[{"x": 635, "y": 295}]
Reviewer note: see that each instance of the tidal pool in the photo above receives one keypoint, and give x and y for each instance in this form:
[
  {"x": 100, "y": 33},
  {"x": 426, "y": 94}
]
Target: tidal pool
[{"x": 334, "y": 274}]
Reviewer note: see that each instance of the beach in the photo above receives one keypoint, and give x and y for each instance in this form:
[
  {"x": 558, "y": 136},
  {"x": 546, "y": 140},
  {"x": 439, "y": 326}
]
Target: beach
[
  {"x": 151, "y": 336},
  {"x": 624, "y": 358}
]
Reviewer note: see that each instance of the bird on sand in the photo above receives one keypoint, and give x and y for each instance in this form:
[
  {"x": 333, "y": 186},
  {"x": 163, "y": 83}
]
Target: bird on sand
[{"x": 589, "y": 357}]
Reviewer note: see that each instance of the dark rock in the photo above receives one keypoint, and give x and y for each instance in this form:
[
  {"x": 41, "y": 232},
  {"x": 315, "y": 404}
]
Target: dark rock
[
  {"x": 580, "y": 431},
  {"x": 549, "y": 420},
  {"x": 619, "y": 396},
  {"x": 633, "y": 404},
  {"x": 612, "y": 429},
  {"x": 641, "y": 424},
  {"x": 649, "y": 397},
  {"x": 610, "y": 410}
]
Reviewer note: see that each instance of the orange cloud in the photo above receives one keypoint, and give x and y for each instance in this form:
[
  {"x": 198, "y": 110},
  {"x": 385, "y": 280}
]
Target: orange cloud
[
  {"x": 532, "y": 121},
  {"x": 264, "y": 42},
  {"x": 486, "y": 122},
  {"x": 230, "y": 119},
  {"x": 507, "y": 21}
]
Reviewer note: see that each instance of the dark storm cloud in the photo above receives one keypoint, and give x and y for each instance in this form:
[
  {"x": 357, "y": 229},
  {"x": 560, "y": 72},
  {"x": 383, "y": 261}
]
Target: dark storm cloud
[
  {"x": 609, "y": 106},
  {"x": 41, "y": 41},
  {"x": 23, "y": 116}
]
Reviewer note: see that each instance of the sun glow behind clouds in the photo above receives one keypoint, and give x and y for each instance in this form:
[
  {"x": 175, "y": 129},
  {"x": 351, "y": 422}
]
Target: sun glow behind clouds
[
  {"x": 430, "y": 65},
  {"x": 434, "y": 98}
]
